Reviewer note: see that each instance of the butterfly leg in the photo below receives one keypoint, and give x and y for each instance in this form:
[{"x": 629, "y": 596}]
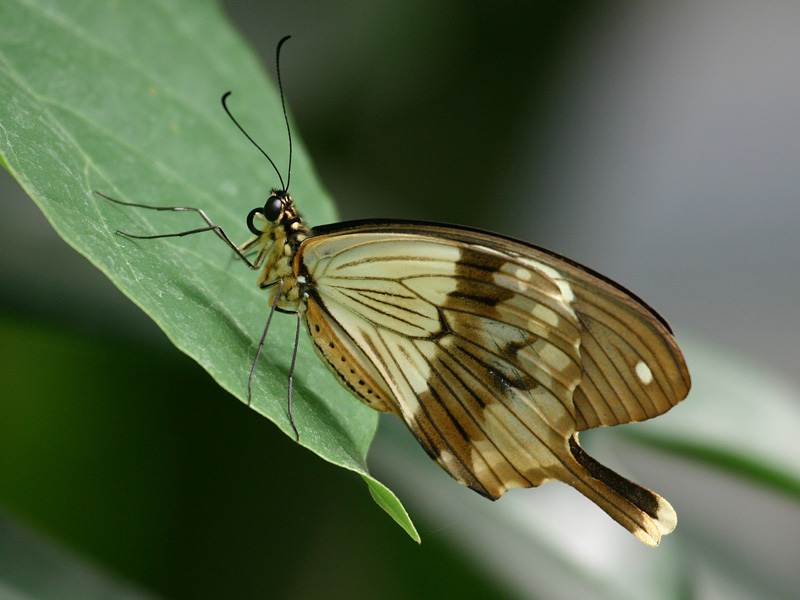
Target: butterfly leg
[
  {"x": 291, "y": 378},
  {"x": 272, "y": 311},
  {"x": 261, "y": 342},
  {"x": 211, "y": 226}
]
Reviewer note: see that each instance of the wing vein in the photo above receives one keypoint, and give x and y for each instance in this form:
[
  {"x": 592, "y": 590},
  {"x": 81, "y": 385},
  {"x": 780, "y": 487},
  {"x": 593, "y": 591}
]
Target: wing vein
[
  {"x": 514, "y": 414},
  {"x": 470, "y": 413}
]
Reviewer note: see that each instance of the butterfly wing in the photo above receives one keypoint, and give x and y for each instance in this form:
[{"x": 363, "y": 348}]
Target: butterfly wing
[
  {"x": 632, "y": 367},
  {"x": 493, "y": 352}
]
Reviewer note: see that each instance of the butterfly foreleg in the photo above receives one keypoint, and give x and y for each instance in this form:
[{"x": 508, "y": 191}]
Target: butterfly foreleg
[{"x": 218, "y": 231}]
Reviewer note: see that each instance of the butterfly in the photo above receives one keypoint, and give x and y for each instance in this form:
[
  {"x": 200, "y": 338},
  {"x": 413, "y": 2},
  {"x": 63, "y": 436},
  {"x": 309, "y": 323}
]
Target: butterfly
[{"x": 495, "y": 353}]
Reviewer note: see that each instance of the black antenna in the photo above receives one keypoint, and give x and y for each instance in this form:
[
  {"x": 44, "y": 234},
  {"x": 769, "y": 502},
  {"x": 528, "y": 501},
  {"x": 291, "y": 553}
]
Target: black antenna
[
  {"x": 285, "y": 187},
  {"x": 252, "y": 141},
  {"x": 283, "y": 105}
]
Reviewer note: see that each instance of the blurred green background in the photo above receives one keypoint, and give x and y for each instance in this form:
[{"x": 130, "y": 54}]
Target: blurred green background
[{"x": 657, "y": 142}]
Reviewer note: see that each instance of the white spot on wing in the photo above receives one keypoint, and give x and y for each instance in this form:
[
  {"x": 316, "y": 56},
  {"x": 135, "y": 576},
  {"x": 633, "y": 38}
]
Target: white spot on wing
[{"x": 644, "y": 373}]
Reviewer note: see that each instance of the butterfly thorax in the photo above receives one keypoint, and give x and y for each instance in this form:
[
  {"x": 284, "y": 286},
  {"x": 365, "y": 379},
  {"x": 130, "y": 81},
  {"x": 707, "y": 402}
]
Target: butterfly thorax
[{"x": 277, "y": 243}]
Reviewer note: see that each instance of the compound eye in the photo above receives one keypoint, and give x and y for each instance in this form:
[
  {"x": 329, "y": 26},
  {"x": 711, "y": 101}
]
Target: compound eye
[{"x": 273, "y": 208}]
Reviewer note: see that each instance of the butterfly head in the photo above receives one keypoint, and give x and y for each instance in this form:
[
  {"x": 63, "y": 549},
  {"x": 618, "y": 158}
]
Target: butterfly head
[
  {"x": 278, "y": 230},
  {"x": 270, "y": 214}
]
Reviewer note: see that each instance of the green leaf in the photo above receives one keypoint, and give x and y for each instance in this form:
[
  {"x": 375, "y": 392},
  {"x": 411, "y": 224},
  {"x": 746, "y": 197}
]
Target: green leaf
[
  {"x": 125, "y": 99},
  {"x": 389, "y": 502}
]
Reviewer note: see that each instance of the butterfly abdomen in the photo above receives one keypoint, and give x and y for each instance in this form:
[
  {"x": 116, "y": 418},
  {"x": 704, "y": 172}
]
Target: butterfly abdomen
[{"x": 347, "y": 362}]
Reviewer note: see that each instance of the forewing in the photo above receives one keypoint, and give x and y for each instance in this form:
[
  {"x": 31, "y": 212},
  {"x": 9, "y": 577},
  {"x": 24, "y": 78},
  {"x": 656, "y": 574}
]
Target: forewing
[{"x": 632, "y": 367}]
